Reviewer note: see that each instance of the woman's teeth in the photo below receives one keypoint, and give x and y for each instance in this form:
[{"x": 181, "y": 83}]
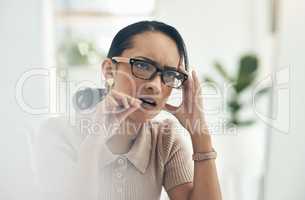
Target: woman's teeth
[{"x": 150, "y": 102}]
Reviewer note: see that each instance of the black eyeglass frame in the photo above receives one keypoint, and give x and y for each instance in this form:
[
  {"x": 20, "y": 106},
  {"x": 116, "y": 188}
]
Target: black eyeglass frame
[{"x": 131, "y": 61}]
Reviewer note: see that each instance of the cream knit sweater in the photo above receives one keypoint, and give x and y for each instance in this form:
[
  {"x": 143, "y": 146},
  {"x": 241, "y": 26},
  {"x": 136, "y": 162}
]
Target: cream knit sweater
[{"x": 158, "y": 158}]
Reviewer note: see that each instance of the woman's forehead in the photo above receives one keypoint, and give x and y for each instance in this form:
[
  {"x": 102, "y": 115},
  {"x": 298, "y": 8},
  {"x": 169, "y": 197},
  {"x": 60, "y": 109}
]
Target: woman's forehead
[{"x": 155, "y": 46}]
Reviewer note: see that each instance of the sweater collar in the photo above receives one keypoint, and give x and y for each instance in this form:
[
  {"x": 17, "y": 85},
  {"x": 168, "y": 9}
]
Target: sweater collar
[{"x": 139, "y": 153}]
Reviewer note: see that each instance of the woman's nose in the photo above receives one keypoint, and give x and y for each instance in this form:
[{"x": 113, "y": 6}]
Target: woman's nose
[{"x": 154, "y": 85}]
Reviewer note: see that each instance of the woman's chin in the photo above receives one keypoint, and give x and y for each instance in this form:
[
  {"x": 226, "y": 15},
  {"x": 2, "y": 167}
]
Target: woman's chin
[{"x": 143, "y": 115}]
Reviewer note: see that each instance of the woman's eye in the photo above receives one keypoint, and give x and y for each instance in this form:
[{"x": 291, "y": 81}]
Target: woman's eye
[
  {"x": 172, "y": 75},
  {"x": 142, "y": 65}
]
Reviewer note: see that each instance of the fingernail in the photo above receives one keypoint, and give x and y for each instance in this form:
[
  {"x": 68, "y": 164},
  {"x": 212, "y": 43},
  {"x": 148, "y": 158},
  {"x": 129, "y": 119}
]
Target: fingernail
[{"x": 138, "y": 102}]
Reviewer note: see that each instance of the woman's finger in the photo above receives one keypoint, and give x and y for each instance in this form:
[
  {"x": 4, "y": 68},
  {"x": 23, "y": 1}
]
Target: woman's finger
[
  {"x": 196, "y": 82},
  {"x": 189, "y": 95},
  {"x": 126, "y": 112},
  {"x": 122, "y": 100},
  {"x": 113, "y": 104},
  {"x": 125, "y": 102},
  {"x": 198, "y": 86},
  {"x": 185, "y": 88},
  {"x": 130, "y": 104},
  {"x": 169, "y": 108},
  {"x": 125, "y": 99},
  {"x": 174, "y": 110},
  {"x": 107, "y": 105}
]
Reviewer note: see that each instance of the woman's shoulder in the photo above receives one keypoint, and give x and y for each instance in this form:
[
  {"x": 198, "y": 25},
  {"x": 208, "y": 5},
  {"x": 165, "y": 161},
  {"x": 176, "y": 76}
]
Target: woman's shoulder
[
  {"x": 53, "y": 122},
  {"x": 169, "y": 137},
  {"x": 58, "y": 131},
  {"x": 55, "y": 125}
]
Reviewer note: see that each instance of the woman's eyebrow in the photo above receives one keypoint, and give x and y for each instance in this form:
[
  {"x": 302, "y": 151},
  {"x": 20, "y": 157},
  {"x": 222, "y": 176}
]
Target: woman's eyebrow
[
  {"x": 176, "y": 69},
  {"x": 149, "y": 60},
  {"x": 156, "y": 63}
]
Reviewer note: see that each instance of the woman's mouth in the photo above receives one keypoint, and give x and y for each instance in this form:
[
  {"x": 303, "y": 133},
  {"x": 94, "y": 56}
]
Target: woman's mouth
[{"x": 148, "y": 103}]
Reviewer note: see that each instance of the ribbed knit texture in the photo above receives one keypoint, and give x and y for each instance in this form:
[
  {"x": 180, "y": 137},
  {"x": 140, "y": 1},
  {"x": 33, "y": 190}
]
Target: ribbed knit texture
[{"x": 170, "y": 163}]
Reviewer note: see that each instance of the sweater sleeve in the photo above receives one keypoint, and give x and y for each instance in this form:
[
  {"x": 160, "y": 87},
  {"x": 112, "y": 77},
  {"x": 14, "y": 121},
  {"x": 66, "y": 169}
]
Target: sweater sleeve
[
  {"x": 55, "y": 156},
  {"x": 177, "y": 159}
]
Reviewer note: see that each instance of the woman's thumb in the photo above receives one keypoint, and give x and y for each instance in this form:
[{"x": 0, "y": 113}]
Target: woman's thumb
[{"x": 171, "y": 109}]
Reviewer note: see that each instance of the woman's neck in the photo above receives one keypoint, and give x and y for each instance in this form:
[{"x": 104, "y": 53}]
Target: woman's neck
[{"x": 121, "y": 142}]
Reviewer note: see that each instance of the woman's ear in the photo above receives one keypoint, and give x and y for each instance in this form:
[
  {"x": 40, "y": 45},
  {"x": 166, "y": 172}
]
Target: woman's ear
[{"x": 108, "y": 69}]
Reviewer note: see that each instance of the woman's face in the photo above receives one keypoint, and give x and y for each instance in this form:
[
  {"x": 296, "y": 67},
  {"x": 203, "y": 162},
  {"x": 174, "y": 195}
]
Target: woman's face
[{"x": 159, "y": 48}]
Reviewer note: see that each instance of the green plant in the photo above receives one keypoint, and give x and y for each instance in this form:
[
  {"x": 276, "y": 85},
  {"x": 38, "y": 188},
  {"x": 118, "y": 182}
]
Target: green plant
[
  {"x": 78, "y": 51},
  {"x": 241, "y": 83}
]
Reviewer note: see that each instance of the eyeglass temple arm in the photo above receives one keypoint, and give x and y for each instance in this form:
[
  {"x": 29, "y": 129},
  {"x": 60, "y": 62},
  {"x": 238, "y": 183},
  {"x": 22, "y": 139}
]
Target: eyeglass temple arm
[{"x": 120, "y": 59}]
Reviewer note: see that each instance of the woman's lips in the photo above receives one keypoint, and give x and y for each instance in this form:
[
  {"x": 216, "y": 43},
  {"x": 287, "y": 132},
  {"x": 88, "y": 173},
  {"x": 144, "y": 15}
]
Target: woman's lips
[{"x": 148, "y": 103}]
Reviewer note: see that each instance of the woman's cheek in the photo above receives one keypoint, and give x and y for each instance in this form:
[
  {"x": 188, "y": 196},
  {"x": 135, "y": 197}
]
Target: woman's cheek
[
  {"x": 166, "y": 94},
  {"x": 126, "y": 85}
]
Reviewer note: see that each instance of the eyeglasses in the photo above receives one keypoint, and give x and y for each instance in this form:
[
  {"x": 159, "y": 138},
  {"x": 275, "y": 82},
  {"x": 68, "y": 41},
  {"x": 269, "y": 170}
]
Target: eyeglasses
[{"x": 148, "y": 69}]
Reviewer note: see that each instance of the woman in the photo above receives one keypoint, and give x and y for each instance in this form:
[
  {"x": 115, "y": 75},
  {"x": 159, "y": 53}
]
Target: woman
[{"x": 138, "y": 156}]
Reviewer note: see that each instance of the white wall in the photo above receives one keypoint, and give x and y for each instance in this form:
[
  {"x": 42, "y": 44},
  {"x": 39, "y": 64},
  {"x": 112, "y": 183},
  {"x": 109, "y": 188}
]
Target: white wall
[
  {"x": 224, "y": 30},
  {"x": 23, "y": 46},
  {"x": 212, "y": 29},
  {"x": 286, "y": 174}
]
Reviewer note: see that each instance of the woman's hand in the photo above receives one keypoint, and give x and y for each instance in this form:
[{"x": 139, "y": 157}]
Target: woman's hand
[
  {"x": 190, "y": 112},
  {"x": 112, "y": 110},
  {"x": 109, "y": 115},
  {"x": 190, "y": 115}
]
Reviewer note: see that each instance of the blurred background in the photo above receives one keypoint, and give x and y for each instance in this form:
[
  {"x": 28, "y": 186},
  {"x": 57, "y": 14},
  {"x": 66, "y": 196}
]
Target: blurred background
[{"x": 248, "y": 53}]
